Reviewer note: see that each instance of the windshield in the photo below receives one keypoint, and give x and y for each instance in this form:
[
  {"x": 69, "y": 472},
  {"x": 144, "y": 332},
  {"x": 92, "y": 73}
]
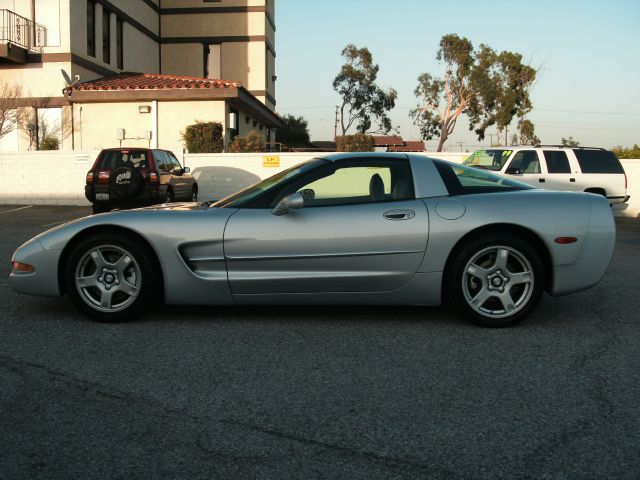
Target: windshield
[
  {"x": 252, "y": 192},
  {"x": 493, "y": 159}
]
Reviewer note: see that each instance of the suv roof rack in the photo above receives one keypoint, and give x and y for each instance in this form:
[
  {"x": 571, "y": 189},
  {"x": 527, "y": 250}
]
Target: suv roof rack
[{"x": 567, "y": 146}]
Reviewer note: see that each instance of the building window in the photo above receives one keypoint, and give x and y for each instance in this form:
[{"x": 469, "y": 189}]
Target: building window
[
  {"x": 106, "y": 36},
  {"x": 91, "y": 28},
  {"x": 120, "y": 43},
  {"x": 212, "y": 61}
]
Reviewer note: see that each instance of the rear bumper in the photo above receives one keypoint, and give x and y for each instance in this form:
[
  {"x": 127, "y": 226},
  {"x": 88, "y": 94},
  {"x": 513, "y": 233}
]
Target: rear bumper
[
  {"x": 619, "y": 199},
  {"x": 149, "y": 195}
]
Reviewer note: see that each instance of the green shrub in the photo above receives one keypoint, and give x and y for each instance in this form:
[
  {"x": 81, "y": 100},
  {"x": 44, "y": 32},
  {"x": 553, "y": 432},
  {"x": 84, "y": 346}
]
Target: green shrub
[
  {"x": 253, "y": 142},
  {"x": 50, "y": 143},
  {"x": 621, "y": 152},
  {"x": 356, "y": 143},
  {"x": 203, "y": 137}
]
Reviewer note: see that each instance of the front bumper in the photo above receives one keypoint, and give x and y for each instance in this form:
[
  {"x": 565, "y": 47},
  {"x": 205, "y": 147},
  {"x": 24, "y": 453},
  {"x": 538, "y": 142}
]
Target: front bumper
[{"x": 44, "y": 280}]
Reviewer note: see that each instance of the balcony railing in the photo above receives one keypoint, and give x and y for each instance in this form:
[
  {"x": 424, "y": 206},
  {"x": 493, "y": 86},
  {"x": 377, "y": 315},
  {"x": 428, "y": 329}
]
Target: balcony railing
[{"x": 21, "y": 31}]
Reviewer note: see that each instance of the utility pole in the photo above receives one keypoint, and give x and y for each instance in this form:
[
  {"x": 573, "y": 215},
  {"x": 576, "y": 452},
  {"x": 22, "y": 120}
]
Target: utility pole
[
  {"x": 460, "y": 143},
  {"x": 335, "y": 127},
  {"x": 491, "y": 139}
]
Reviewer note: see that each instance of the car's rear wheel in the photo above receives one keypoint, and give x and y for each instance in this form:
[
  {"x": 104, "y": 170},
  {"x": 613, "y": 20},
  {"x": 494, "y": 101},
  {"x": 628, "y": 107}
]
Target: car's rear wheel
[
  {"x": 110, "y": 277},
  {"x": 496, "y": 281}
]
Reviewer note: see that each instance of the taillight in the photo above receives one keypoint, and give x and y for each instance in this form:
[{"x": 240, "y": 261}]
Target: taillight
[
  {"x": 89, "y": 178},
  {"x": 103, "y": 176},
  {"x": 153, "y": 177},
  {"x": 625, "y": 181}
]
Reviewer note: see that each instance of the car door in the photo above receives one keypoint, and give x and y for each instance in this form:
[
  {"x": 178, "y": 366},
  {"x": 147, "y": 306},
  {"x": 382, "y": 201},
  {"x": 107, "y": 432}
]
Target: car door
[
  {"x": 559, "y": 175},
  {"x": 361, "y": 230},
  {"x": 525, "y": 167}
]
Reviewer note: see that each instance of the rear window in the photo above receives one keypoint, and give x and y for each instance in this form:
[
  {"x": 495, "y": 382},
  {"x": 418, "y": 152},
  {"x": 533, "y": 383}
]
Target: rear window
[
  {"x": 598, "y": 161},
  {"x": 123, "y": 158},
  {"x": 461, "y": 179}
]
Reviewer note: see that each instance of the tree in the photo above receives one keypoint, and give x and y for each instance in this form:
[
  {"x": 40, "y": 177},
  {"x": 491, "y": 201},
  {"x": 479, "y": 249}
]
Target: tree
[
  {"x": 294, "y": 132},
  {"x": 489, "y": 88},
  {"x": 570, "y": 142},
  {"x": 203, "y": 137},
  {"x": 632, "y": 152},
  {"x": 12, "y": 112},
  {"x": 363, "y": 101}
]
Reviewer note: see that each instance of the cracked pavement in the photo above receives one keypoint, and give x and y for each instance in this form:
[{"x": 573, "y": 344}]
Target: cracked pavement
[{"x": 323, "y": 392}]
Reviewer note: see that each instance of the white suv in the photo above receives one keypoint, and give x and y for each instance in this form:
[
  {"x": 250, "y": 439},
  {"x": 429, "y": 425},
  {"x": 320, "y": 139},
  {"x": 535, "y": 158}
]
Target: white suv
[{"x": 555, "y": 167}]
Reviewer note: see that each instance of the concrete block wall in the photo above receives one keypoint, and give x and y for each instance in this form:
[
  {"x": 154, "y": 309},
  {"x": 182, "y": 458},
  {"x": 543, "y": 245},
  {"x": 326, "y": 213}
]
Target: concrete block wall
[
  {"x": 58, "y": 178},
  {"x": 44, "y": 178}
]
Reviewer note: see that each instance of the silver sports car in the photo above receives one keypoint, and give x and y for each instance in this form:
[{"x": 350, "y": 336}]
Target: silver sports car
[{"x": 343, "y": 229}]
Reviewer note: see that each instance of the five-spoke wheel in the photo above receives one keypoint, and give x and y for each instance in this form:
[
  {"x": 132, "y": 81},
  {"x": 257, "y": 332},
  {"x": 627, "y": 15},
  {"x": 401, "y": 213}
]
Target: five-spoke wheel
[
  {"x": 496, "y": 280},
  {"x": 109, "y": 277}
]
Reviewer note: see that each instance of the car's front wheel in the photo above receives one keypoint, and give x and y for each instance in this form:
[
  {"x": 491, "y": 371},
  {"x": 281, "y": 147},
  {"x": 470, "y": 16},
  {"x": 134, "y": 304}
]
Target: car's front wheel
[
  {"x": 110, "y": 277},
  {"x": 497, "y": 280}
]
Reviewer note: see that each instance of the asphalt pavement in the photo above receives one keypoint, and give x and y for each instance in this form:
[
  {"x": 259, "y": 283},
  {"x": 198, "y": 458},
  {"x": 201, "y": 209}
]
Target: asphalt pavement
[{"x": 322, "y": 392}]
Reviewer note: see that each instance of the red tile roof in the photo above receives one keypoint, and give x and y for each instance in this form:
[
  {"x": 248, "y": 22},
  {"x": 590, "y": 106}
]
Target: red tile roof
[
  {"x": 152, "y": 81},
  {"x": 387, "y": 141},
  {"x": 409, "y": 146}
]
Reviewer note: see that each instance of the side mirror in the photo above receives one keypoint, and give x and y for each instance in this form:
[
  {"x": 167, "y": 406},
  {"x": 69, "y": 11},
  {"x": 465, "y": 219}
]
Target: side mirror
[
  {"x": 186, "y": 170},
  {"x": 514, "y": 171},
  {"x": 294, "y": 201}
]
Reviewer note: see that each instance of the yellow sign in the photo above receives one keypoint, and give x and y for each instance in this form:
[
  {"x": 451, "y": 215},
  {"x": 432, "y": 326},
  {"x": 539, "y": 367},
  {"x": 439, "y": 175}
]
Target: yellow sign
[{"x": 271, "y": 162}]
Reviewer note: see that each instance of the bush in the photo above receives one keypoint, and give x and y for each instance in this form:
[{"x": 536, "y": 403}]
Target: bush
[
  {"x": 203, "y": 137},
  {"x": 50, "y": 143},
  {"x": 356, "y": 143},
  {"x": 621, "y": 152},
  {"x": 253, "y": 142}
]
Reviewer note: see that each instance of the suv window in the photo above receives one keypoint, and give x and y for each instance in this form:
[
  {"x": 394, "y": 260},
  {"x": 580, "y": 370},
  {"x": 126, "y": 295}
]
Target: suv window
[
  {"x": 123, "y": 158},
  {"x": 557, "y": 161},
  {"x": 527, "y": 161},
  {"x": 488, "y": 159},
  {"x": 174, "y": 161},
  {"x": 598, "y": 161},
  {"x": 163, "y": 162}
]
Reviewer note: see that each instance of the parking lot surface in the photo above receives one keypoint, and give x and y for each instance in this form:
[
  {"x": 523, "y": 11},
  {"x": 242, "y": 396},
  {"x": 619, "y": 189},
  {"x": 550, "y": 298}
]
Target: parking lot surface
[{"x": 322, "y": 392}]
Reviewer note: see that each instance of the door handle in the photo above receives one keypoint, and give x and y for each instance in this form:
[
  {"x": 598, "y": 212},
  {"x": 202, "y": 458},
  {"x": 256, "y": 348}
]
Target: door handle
[
  {"x": 399, "y": 214},
  {"x": 541, "y": 180},
  {"x": 573, "y": 180}
]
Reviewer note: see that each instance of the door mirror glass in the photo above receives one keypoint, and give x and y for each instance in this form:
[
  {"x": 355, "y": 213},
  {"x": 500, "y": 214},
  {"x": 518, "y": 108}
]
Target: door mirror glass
[
  {"x": 294, "y": 201},
  {"x": 186, "y": 170}
]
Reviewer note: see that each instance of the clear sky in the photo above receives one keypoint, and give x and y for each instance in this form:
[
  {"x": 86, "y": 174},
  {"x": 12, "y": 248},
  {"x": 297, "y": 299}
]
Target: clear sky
[{"x": 588, "y": 53}]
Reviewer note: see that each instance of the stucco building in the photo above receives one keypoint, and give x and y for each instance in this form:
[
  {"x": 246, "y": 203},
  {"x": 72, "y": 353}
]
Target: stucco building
[{"x": 98, "y": 73}]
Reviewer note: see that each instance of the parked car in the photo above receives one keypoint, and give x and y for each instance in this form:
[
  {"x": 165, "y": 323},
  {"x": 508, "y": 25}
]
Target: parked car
[
  {"x": 133, "y": 177},
  {"x": 392, "y": 229},
  {"x": 556, "y": 167}
]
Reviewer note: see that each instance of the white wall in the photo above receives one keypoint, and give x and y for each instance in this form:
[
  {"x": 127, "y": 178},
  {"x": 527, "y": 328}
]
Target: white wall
[{"x": 58, "y": 178}]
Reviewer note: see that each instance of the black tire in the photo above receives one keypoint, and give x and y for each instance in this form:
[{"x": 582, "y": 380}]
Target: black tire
[
  {"x": 108, "y": 287},
  {"x": 124, "y": 183},
  {"x": 194, "y": 194},
  {"x": 505, "y": 267},
  {"x": 100, "y": 209},
  {"x": 169, "y": 196}
]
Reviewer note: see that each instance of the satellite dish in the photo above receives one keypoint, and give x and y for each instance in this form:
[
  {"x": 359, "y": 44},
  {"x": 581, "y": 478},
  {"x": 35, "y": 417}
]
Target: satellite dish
[{"x": 67, "y": 78}]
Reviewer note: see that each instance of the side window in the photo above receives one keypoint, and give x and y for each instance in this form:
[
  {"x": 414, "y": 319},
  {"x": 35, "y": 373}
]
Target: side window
[
  {"x": 175, "y": 163},
  {"x": 363, "y": 182},
  {"x": 161, "y": 160},
  {"x": 557, "y": 161},
  {"x": 527, "y": 161}
]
